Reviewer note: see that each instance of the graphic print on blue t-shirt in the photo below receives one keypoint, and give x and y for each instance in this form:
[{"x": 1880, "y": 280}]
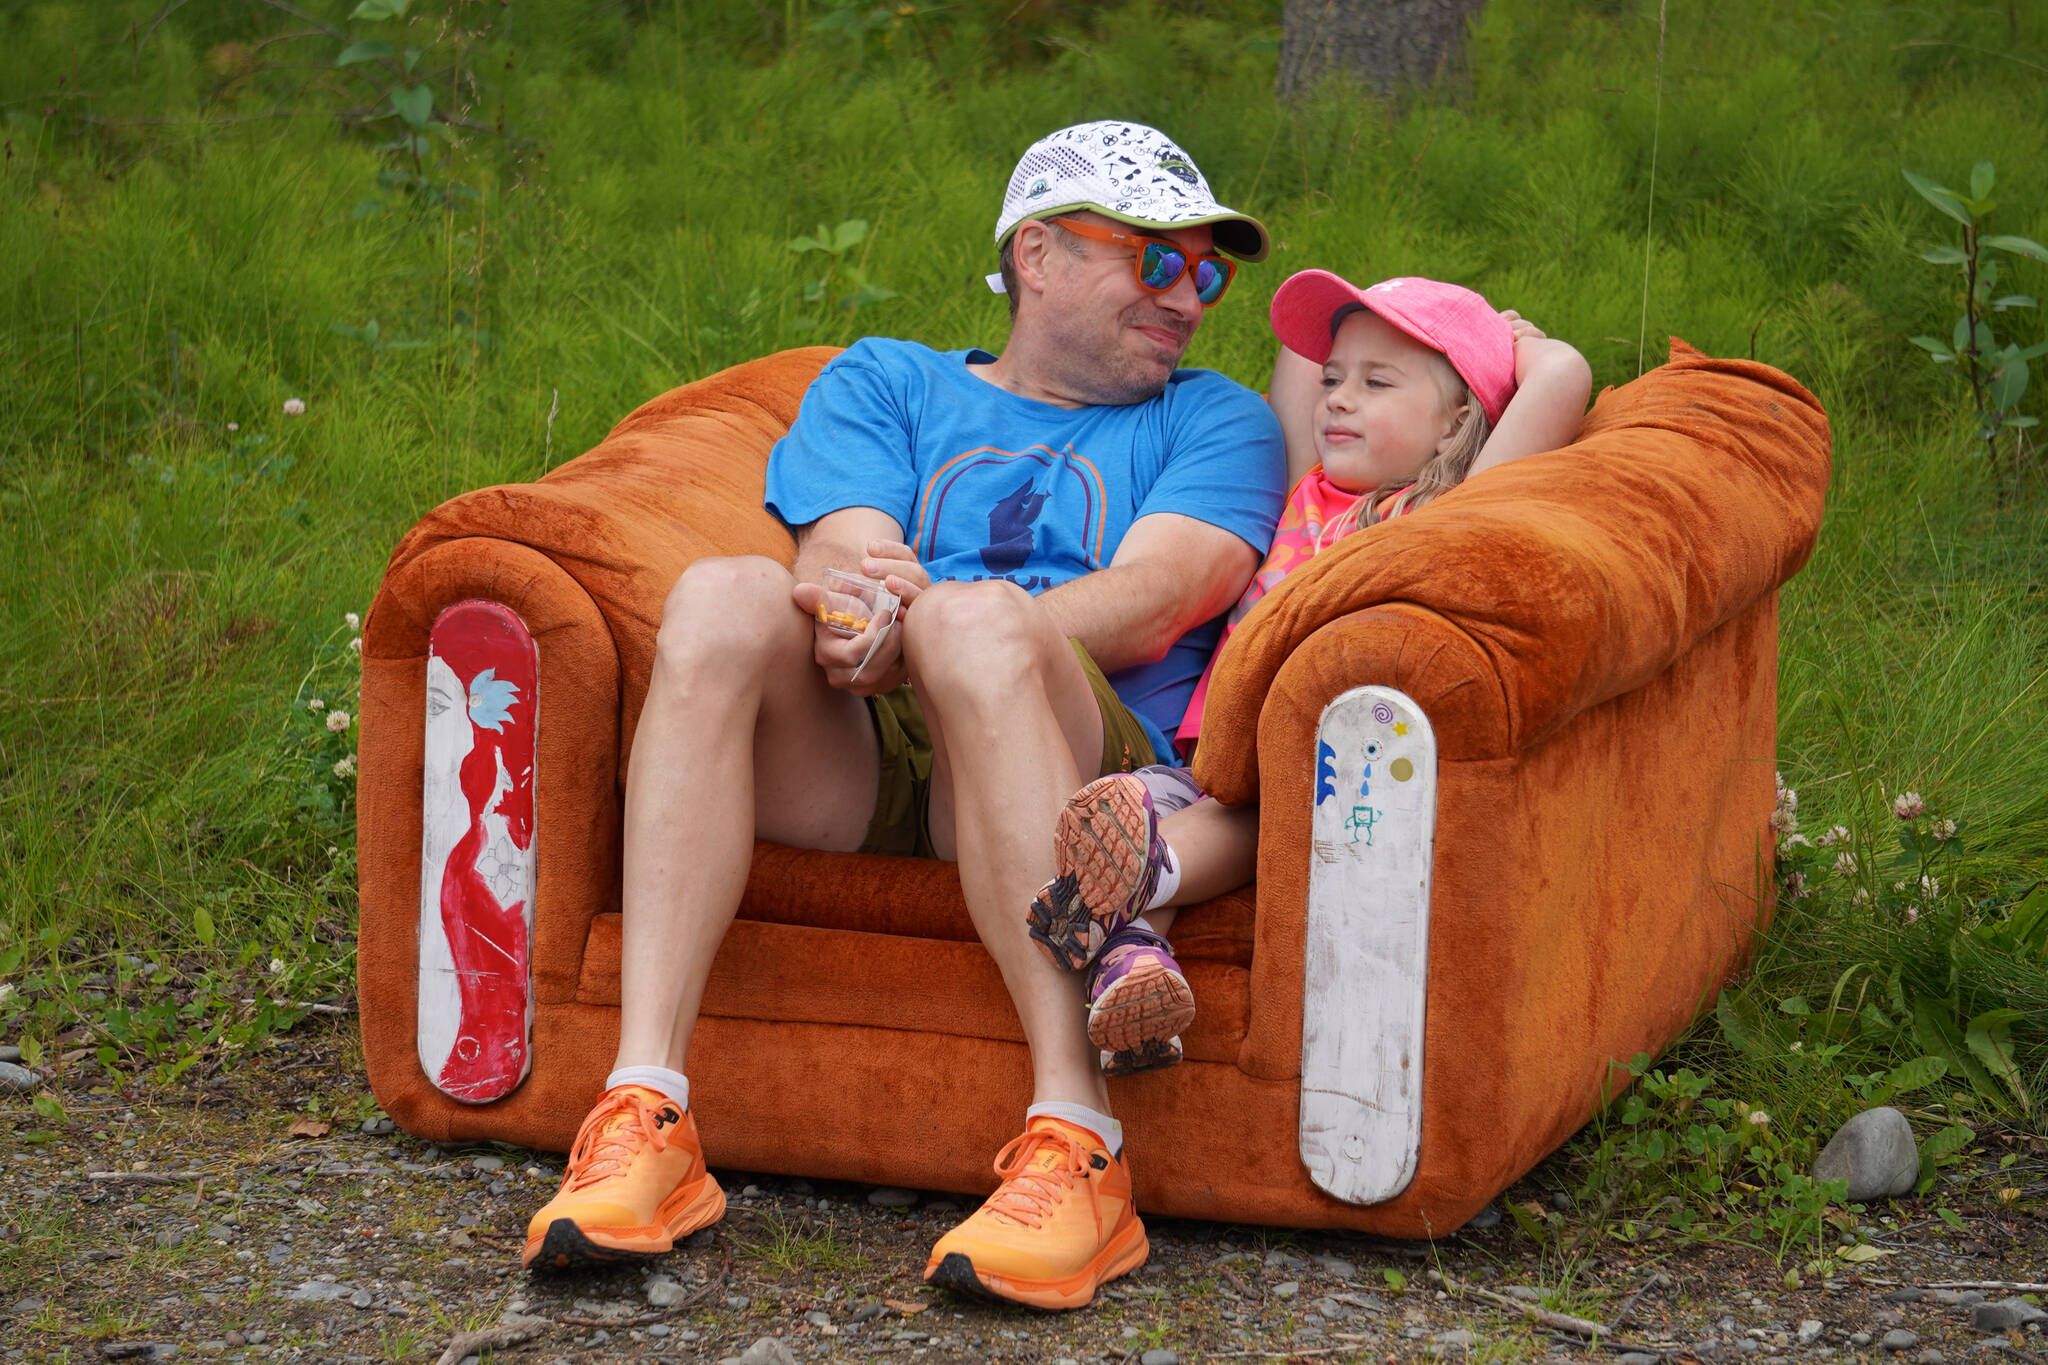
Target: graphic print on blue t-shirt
[{"x": 1010, "y": 508}]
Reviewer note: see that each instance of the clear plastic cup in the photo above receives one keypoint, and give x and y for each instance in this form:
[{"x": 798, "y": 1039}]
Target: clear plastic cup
[{"x": 851, "y": 604}]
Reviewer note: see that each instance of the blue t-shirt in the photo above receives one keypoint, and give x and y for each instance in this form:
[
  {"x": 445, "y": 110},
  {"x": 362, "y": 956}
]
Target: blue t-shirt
[{"x": 986, "y": 484}]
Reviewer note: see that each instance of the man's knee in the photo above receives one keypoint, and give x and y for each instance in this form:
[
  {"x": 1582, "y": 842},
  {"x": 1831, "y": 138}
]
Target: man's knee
[
  {"x": 977, "y": 636},
  {"x": 732, "y": 612}
]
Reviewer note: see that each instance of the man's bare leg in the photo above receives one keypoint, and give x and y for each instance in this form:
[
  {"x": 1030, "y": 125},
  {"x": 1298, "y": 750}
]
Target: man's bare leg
[
  {"x": 1015, "y": 729},
  {"x": 740, "y": 734},
  {"x": 740, "y": 737}
]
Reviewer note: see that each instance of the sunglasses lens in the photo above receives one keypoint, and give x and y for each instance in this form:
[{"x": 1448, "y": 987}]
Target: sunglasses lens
[
  {"x": 1160, "y": 266},
  {"x": 1210, "y": 279}
]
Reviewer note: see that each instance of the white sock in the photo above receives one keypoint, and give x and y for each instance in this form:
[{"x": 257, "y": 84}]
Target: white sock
[
  {"x": 673, "y": 1084},
  {"x": 1169, "y": 882},
  {"x": 1081, "y": 1116}
]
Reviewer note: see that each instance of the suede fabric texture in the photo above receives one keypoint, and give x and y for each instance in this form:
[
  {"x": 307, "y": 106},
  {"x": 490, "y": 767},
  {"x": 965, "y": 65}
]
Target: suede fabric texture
[{"x": 1593, "y": 634}]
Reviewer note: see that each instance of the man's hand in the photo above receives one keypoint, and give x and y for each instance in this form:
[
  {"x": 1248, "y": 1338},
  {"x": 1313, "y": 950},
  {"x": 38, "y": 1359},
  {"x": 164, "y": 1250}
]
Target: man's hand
[{"x": 895, "y": 565}]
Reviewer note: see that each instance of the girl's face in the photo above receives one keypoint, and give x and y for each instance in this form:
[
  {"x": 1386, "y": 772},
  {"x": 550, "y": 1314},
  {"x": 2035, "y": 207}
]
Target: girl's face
[{"x": 1383, "y": 414}]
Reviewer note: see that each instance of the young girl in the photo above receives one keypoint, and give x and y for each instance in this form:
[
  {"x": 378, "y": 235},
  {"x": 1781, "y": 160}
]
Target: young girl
[{"x": 1422, "y": 385}]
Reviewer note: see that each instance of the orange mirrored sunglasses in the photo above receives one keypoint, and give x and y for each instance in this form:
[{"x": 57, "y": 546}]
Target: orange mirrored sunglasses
[{"x": 1160, "y": 261}]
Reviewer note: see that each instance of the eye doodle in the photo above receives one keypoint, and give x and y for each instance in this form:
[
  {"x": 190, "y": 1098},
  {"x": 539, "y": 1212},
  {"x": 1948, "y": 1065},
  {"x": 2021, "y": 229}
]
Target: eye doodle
[{"x": 1373, "y": 749}]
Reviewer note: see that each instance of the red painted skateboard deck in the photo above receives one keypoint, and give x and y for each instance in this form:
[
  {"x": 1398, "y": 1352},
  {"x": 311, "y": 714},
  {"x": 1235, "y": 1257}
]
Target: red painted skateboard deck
[{"x": 477, "y": 855}]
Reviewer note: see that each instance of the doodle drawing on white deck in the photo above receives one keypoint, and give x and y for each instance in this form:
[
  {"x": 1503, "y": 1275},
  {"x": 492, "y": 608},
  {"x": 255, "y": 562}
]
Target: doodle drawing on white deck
[
  {"x": 1366, "y": 963},
  {"x": 477, "y": 864}
]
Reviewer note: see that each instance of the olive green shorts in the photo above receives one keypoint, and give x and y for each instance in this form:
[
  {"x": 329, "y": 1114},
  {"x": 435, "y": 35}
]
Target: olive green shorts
[{"x": 901, "y": 824}]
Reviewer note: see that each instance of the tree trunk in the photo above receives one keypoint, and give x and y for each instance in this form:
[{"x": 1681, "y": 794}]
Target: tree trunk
[{"x": 1385, "y": 43}]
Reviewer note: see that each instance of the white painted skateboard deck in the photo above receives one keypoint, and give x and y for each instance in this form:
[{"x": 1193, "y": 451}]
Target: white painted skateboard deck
[
  {"x": 1367, "y": 960},
  {"x": 477, "y": 857}
]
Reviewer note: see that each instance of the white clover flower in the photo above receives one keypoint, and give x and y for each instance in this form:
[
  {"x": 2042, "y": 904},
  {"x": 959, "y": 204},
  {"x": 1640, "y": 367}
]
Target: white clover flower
[
  {"x": 1845, "y": 863},
  {"x": 337, "y": 721},
  {"x": 294, "y": 407},
  {"x": 1930, "y": 887},
  {"x": 1837, "y": 834},
  {"x": 1912, "y": 913},
  {"x": 234, "y": 426},
  {"x": 353, "y": 621},
  {"x": 346, "y": 768},
  {"x": 1795, "y": 886},
  {"x": 1759, "y": 1118},
  {"x": 355, "y": 645},
  {"x": 1944, "y": 829},
  {"x": 1784, "y": 821},
  {"x": 316, "y": 705},
  {"x": 1798, "y": 1046},
  {"x": 1787, "y": 798},
  {"x": 277, "y": 966},
  {"x": 1798, "y": 841},
  {"x": 1861, "y": 897},
  {"x": 1908, "y": 806},
  {"x": 6, "y": 991}
]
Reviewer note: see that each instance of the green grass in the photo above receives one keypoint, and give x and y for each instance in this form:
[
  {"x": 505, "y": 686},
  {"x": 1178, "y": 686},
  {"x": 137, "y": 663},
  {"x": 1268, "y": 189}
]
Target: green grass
[{"x": 191, "y": 206}]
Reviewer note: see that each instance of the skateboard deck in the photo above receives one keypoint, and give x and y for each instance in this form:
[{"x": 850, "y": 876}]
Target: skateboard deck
[
  {"x": 1366, "y": 955},
  {"x": 477, "y": 859}
]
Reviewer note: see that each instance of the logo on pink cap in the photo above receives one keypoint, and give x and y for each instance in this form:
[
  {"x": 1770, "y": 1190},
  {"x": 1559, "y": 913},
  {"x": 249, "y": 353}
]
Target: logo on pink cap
[{"x": 1449, "y": 318}]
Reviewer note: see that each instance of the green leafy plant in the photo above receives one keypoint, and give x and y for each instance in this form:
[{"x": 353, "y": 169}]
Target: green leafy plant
[
  {"x": 858, "y": 29},
  {"x": 324, "y": 726},
  {"x": 1684, "y": 1155},
  {"x": 1883, "y": 1006},
  {"x": 417, "y": 152},
  {"x": 844, "y": 287},
  {"x": 1997, "y": 374}
]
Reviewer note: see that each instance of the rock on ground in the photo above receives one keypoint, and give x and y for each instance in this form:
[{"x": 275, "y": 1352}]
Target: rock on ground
[
  {"x": 2005, "y": 1315},
  {"x": 1874, "y": 1152}
]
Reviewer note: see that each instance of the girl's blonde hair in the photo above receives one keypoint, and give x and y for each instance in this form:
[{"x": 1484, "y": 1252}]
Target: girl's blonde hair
[{"x": 1444, "y": 471}]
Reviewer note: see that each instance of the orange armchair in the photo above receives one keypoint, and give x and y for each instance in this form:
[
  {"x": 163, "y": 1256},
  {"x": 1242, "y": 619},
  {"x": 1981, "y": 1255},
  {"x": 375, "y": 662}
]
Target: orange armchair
[{"x": 1514, "y": 757}]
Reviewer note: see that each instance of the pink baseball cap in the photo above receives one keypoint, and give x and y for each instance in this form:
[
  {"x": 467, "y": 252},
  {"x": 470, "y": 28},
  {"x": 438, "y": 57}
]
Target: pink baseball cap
[{"x": 1444, "y": 317}]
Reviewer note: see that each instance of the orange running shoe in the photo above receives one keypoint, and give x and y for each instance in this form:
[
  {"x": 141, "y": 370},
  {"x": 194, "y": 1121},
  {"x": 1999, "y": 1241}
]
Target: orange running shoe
[
  {"x": 636, "y": 1184},
  {"x": 1059, "y": 1227}
]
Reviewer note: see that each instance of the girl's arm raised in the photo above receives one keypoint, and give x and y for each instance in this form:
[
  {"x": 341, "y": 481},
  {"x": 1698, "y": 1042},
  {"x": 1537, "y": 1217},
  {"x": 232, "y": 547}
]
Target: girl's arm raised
[
  {"x": 1296, "y": 389},
  {"x": 1552, "y": 383}
]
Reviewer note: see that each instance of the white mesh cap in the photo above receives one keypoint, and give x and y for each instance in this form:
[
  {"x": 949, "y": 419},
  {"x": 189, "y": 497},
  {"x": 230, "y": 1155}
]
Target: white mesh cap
[{"x": 1125, "y": 171}]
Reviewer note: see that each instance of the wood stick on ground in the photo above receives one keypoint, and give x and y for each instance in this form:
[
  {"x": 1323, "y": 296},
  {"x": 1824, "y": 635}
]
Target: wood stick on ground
[
  {"x": 144, "y": 1177},
  {"x": 515, "y": 1333},
  {"x": 1628, "y": 1305},
  {"x": 2010, "y": 1286},
  {"x": 1563, "y": 1322},
  {"x": 1274, "y": 1355}
]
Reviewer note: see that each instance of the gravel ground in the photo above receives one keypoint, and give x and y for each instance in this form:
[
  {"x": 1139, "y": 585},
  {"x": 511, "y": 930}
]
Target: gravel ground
[{"x": 191, "y": 1223}]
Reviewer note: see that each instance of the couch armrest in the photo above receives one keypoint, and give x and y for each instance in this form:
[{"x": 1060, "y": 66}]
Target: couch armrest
[
  {"x": 1566, "y": 579},
  {"x": 678, "y": 479},
  {"x": 1590, "y": 890},
  {"x": 584, "y": 558}
]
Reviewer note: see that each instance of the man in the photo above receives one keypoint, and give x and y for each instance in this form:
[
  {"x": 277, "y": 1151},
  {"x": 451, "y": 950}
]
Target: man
[{"x": 1074, "y": 511}]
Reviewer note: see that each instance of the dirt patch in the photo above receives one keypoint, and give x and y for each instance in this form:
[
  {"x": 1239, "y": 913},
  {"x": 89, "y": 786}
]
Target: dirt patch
[{"x": 186, "y": 1223}]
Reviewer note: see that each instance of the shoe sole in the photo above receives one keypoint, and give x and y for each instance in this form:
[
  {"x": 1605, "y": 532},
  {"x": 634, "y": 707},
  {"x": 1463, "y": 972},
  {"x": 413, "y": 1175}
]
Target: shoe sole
[
  {"x": 1149, "y": 1005},
  {"x": 1154, "y": 1054},
  {"x": 567, "y": 1244},
  {"x": 1124, "y": 1253},
  {"x": 1099, "y": 863}
]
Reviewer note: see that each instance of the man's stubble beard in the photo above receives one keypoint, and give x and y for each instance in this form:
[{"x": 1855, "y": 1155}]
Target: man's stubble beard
[{"x": 1117, "y": 378}]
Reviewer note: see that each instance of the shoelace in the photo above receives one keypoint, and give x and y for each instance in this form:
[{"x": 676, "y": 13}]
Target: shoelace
[
  {"x": 1029, "y": 1192},
  {"x": 612, "y": 1136}
]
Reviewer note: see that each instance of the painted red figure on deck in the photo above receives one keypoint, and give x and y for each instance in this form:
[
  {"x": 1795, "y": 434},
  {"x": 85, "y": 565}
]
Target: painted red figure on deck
[{"x": 478, "y": 865}]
